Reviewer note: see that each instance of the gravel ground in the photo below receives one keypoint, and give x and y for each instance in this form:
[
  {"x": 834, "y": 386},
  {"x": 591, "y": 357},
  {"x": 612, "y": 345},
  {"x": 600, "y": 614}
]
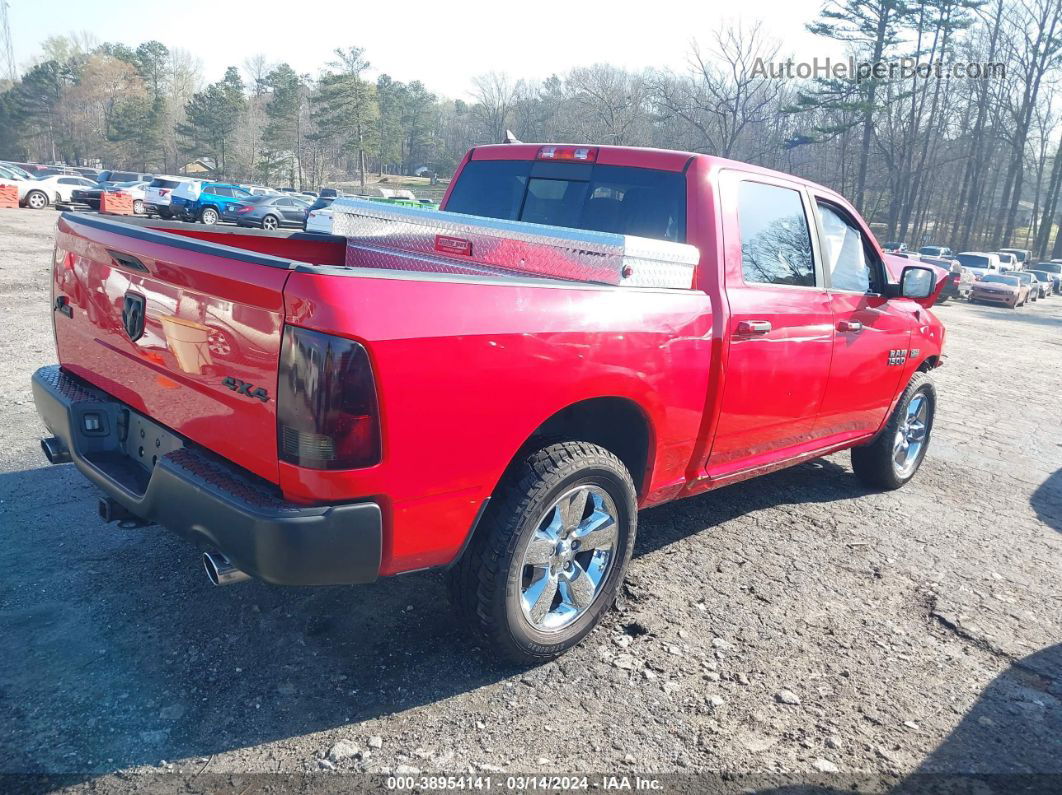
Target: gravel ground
[{"x": 792, "y": 626}]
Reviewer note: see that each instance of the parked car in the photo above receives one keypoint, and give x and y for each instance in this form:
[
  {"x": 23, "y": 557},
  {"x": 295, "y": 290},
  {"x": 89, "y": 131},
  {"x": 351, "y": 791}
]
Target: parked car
[
  {"x": 958, "y": 283},
  {"x": 34, "y": 169},
  {"x": 996, "y": 288},
  {"x": 1029, "y": 281},
  {"x": 17, "y": 172},
  {"x": 60, "y": 188},
  {"x": 894, "y": 247},
  {"x": 30, "y": 191},
  {"x": 979, "y": 263},
  {"x": 511, "y": 425},
  {"x": 269, "y": 212},
  {"x": 91, "y": 196},
  {"x": 109, "y": 178},
  {"x": 936, "y": 251},
  {"x": 319, "y": 220},
  {"x": 261, "y": 190},
  {"x": 1046, "y": 282},
  {"x": 1007, "y": 262},
  {"x": 1055, "y": 270},
  {"x": 210, "y": 203},
  {"x": 1022, "y": 255},
  {"x": 159, "y": 194}
]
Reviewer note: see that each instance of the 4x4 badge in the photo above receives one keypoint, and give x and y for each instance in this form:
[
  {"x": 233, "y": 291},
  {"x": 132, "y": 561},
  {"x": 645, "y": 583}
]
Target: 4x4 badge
[{"x": 245, "y": 388}]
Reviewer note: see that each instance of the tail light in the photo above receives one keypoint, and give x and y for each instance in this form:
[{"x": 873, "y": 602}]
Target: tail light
[
  {"x": 327, "y": 415},
  {"x": 243, "y": 208},
  {"x": 575, "y": 154}
]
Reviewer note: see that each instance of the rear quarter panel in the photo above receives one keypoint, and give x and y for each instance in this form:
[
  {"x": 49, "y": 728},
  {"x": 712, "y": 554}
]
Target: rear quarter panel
[{"x": 466, "y": 371}]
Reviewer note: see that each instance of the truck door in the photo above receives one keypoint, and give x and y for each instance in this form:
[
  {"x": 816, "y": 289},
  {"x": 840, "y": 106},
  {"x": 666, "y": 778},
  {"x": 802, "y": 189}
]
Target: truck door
[
  {"x": 781, "y": 324},
  {"x": 872, "y": 334}
]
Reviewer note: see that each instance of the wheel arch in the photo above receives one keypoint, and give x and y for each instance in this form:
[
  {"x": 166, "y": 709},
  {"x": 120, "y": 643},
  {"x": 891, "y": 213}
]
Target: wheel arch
[{"x": 619, "y": 424}]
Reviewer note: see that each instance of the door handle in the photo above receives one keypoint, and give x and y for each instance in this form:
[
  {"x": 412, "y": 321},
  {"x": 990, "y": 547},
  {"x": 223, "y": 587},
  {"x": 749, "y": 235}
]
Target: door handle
[
  {"x": 849, "y": 325},
  {"x": 753, "y": 327}
]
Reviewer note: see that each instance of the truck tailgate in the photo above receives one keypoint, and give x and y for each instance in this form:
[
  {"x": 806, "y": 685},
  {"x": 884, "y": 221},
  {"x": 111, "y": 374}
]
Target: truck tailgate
[{"x": 184, "y": 331}]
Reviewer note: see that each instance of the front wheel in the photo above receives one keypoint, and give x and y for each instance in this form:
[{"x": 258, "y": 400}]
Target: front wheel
[
  {"x": 896, "y": 454},
  {"x": 36, "y": 200},
  {"x": 270, "y": 222},
  {"x": 549, "y": 558}
]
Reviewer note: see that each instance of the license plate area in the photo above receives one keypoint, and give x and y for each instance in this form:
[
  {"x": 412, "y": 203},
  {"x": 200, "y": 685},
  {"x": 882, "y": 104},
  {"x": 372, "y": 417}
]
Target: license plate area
[{"x": 145, "y": 441}]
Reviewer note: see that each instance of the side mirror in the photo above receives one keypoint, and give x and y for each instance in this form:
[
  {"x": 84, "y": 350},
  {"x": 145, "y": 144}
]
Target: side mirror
[{"x": 917, "y": 282}]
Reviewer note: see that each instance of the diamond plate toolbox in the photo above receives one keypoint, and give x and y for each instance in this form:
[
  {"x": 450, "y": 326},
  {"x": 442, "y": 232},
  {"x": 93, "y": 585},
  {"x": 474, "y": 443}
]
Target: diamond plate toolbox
[{"x": 410, "y": 238}]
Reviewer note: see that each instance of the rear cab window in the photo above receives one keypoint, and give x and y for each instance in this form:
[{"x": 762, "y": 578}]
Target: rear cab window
[{"x": 620, "y": 199}]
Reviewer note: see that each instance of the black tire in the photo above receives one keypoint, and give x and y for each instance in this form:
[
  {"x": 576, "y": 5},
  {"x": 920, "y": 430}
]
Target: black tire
[
  {"x": 485, "y": 585},
  {"x": 209, "y": 216},
  {"x": 270, "y": 222},
  {"x": 165, "y": 214},
  {"x": 36, "y": 200},
  {"x": 874, "y": 463}
]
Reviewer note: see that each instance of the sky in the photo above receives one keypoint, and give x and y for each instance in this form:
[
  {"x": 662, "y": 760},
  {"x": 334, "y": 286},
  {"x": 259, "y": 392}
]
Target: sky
[{"x": 444, "y": 43}]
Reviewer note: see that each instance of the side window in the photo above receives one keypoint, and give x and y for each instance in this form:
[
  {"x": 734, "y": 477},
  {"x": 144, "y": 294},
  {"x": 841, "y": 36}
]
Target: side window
[
  {"x": 843, "y": 253},
  {"x": 284, "y": 203},
  {"x": 775, "y": 239},
  {"x": 225, "y": 193}
]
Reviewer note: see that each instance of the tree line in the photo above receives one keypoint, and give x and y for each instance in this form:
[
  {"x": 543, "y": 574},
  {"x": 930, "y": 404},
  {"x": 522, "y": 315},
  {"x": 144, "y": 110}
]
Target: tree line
[{"x": 927, "y": 156}]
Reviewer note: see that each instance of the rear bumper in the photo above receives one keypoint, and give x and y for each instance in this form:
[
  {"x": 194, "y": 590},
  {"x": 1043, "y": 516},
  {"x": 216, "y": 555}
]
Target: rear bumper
[{"x": 209, "y": 500}]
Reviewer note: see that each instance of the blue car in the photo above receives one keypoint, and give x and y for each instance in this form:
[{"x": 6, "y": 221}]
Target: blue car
[{"x": 214, "y": 199}]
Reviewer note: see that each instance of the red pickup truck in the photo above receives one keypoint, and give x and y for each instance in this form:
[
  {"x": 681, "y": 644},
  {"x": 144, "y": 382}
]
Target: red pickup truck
[{"x": 310, "y": 419}]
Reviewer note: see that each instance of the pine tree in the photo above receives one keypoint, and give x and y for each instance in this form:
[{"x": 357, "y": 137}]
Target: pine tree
[
  {"x": 344, "y": 105},
  {"x": 211, "y": 119}
]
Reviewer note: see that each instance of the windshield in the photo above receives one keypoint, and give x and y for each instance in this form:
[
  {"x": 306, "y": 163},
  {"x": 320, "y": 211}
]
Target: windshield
[
  {"x": 1050, "y": 267},
  {"x": 972, "y": 260},
  {"x": 1008, "y": 280},
  {"x": 932, "y": 251},
  {"x": 1025, "y": 277},
  {"x": 618, "y": 199}
]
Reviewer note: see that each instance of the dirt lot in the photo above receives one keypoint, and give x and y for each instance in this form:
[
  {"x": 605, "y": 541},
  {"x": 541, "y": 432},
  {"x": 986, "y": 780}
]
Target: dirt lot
[{"x": 794, "y": 625}]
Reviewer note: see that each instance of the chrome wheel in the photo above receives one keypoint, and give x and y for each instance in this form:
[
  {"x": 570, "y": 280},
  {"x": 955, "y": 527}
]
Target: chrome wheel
[
  {"x": 37, "y": 200},
  {"x": 911, "y": 436},
  {"x": 269, "y": 222},
  {"x": 568, "y": 558}
]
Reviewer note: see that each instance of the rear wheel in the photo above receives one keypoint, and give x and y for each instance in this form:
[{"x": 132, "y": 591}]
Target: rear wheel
[
  {"x": 896, "y": 454},
  {"x": 209, "y": 216},
  {"x": 36, "y": 200},
  {"x": 138, "y": 207},
  {"x": 270, "y": 222},
  {"x": 551, "y": 552}
]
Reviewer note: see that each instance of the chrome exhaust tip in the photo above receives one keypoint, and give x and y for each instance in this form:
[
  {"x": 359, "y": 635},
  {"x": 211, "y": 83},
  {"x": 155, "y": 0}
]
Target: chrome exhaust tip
[
  {"x": 55, "y": 451},
  {"x": 221, "y": 571}
]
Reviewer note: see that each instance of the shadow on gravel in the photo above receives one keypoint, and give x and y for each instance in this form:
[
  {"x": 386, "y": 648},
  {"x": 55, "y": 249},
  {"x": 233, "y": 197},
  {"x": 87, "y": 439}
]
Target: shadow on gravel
[
  {"x": 1010, "y": 740},
  {"x": 117, "y": 652},
  {"x": 812, "y": 482},
  {"x": 1047, "y": 501}
]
